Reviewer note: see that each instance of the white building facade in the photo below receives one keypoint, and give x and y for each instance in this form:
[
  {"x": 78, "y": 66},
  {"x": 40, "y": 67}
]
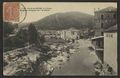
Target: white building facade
[
  {"x": 71, "y": 33},
  {"x": 110, "y": 48},
  {"x": 64, "y": 34}
]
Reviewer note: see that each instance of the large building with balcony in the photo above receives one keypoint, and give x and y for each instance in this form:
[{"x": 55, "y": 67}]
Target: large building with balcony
[
  {"x": 104, "y": 19},
  {"x": 105, "y": 40}
]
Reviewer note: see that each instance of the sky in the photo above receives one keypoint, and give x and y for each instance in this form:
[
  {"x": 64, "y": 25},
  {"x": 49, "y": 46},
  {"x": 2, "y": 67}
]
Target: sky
[{"x": 48, "y": 8}]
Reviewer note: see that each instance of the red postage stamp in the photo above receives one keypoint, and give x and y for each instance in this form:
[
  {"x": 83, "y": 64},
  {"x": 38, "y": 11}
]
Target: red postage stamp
[{"x": 11, "y": 11}]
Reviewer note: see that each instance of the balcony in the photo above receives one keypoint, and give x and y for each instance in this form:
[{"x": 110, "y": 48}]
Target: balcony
[
  {"x": 99, "y": 48},
  {"x": 98, "y": 43}
]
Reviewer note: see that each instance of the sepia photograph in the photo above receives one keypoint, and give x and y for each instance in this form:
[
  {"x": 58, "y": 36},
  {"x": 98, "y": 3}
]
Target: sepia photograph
[{"x": 60, "y": 39}]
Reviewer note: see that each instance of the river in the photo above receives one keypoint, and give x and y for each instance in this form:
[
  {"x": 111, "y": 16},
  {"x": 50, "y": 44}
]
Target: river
[{"x": 80, "y": 63}]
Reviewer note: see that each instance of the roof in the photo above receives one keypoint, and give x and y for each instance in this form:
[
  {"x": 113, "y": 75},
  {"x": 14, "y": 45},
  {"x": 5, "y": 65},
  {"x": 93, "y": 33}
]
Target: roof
[
  {"x": 108, "y": 9},
  {"x": 98, "y": 37},
  {"x": 112, "y": 29}
]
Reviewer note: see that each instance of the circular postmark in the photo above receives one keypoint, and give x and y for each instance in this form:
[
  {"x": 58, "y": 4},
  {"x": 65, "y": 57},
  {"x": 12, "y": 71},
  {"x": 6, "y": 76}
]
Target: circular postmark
[{"x": 23, "y": 13}]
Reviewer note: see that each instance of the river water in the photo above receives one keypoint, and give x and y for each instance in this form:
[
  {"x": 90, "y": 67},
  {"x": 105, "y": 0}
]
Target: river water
[{"x": 80, "y": 63}]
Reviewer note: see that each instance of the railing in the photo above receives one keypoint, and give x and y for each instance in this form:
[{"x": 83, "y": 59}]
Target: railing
[{"x": 99, "y": 47}]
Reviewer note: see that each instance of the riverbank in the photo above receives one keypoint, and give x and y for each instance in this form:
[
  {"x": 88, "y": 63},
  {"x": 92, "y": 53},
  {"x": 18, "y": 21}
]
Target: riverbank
[{"x": 30, "y": 60}]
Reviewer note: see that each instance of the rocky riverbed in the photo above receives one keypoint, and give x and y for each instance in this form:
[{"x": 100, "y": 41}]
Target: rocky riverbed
[{"x": 28, "y": 61}]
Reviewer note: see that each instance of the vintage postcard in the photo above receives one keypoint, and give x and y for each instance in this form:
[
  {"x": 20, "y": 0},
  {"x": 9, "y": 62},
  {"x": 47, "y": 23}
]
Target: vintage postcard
[{"x": 57, "y": 38}]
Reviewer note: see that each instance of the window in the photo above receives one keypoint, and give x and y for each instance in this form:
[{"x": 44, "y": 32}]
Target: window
[
  {"x": 98, "y": 43},
  {"x": 102, "y": 17},
  {"x": 109, "y": 35},
  {"x": 106, "y": 35},
  {"x": 102, "y": 33},
  {"x": 114, "y": 16},
  {"x": 101, "y": 25}
]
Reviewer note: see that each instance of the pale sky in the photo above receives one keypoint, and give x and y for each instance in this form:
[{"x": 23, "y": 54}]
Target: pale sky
[{"x": 56, "y": 7}]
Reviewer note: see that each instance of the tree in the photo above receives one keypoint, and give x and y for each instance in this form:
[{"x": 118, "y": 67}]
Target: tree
[
  {"x": 8, "y": 28},
  {"x": 16, "y": 41},
  {"x": 23, "y": 35},
  {"x": 32, "y": 33}
]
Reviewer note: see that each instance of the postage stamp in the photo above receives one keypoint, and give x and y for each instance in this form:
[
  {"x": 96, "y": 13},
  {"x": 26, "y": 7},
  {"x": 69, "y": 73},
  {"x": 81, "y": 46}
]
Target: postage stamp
[{"x": 11, "y": 11}]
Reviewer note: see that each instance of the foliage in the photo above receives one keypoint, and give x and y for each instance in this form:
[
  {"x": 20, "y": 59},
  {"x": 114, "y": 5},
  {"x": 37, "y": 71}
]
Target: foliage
[
  {"x": 7, "y": 28},
  {"x": 32, "y": 33},
  {"x": 16, "y": 41},
  {"x": 23, "y": 35}
]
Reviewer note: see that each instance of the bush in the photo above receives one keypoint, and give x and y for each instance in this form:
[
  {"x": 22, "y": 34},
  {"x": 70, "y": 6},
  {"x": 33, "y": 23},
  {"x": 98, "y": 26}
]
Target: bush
[
  {"x": 7, "y": 28},
  {"x": 33, "y": 35},
  {"x": 16, "y": 41}
]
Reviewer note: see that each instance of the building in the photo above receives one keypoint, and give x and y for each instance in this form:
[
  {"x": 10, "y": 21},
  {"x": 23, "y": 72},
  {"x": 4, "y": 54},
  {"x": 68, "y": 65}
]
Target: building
[
  {"x": 110, "y": 47},
  {"x": 50, "y": 33},
  {"x": 98, "y": 45},
  {"x": 67, "y": 34},
  {"x": 104, "y": 19},
  {"x": 105, "y": 39}
]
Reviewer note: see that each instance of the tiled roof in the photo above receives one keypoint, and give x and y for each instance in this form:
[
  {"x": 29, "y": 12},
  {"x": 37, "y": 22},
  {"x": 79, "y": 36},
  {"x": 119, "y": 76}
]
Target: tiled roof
[
  {"x": 108, "y": 9},
  {"x": 112, "y": 29}
]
